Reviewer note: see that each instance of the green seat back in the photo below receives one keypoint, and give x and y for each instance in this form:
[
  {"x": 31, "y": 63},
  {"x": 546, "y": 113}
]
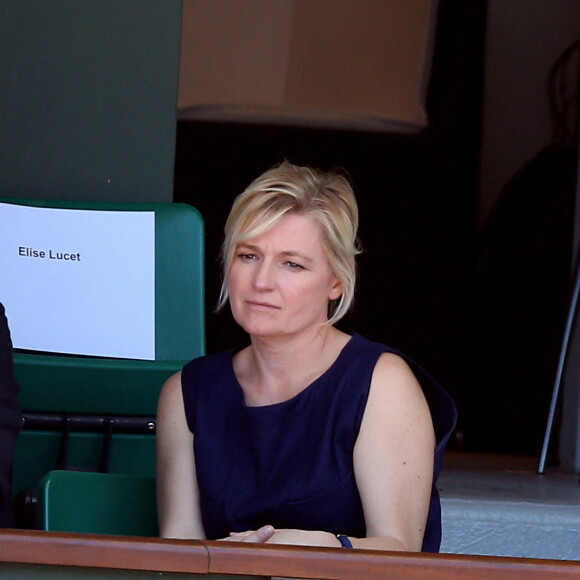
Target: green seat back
[
  {"x": 109, "y": 387},
  {"x": 98, "y": 503},
  {"x": 36, "y": 453}
]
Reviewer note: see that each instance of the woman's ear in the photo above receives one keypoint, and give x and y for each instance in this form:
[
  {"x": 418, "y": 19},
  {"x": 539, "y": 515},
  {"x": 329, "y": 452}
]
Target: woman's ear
[{"x": 336, "y": 289}]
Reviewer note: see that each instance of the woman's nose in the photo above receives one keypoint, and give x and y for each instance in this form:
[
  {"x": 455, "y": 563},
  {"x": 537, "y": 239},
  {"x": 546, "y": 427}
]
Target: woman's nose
[{"x": 264, "y": 276}]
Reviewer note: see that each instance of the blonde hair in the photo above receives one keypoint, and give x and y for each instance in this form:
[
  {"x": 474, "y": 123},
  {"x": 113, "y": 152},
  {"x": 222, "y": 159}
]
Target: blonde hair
[{"x": 327, "y": 197}]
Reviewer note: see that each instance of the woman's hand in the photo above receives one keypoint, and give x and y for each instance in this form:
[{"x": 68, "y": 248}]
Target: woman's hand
[
  {"x": 259, "y": 536},
  {"x": 268, "y": 535},
  {"x": 304, "y": 538}
]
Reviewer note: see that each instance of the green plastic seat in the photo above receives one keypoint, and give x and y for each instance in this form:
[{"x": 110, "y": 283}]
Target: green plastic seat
[
  {"x": 122, "y": 393},
  {"x": 98, "y": 503}
]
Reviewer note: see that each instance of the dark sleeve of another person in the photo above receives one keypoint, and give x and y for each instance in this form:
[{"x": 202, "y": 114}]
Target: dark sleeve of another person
[{"x": 10, "y": 420}]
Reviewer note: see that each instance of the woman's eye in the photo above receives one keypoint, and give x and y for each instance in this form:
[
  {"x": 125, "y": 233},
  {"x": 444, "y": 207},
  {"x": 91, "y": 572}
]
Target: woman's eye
[
  {"x": 294, "y": 266},
  {"x": 247, "y": 257}
]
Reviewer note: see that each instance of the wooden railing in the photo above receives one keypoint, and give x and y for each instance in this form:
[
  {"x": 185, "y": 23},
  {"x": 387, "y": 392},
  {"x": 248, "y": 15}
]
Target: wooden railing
[{"x": 117, "y": 553}]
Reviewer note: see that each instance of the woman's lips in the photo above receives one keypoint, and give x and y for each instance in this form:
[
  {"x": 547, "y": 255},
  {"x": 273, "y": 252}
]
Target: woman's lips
[{"x": 259, "y": 304}]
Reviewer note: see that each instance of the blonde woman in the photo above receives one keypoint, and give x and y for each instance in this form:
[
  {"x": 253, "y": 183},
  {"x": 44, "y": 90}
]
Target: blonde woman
[{"x": 307, "y": 435}]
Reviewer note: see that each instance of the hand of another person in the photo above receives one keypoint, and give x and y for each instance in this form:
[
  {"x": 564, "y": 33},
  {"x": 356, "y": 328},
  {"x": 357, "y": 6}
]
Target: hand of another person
[{"x": 258, "y": 536}]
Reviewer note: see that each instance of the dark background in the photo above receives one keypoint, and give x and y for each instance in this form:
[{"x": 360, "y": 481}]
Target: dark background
[{"x": 483, "y": 311}]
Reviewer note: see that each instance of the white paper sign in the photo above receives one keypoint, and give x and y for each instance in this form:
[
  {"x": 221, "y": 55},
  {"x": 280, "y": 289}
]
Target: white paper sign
[{"x": 79, "y": 281}]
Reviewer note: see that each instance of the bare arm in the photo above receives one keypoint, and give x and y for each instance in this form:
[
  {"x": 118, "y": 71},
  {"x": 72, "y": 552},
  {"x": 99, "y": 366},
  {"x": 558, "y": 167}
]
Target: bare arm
[
  {"x": 177, "y": 490},
  {"x": 393, "y": 459},
  {"x": 393, "y": 463}
]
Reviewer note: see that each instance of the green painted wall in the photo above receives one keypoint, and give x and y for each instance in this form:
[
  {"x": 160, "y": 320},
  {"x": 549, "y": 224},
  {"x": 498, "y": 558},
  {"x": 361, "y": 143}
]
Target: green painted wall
[{"x": 88, "y": 93}]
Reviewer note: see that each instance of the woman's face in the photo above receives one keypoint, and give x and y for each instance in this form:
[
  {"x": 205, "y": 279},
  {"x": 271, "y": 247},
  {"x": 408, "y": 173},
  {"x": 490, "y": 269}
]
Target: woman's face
[{"x": 280, "y": 282}]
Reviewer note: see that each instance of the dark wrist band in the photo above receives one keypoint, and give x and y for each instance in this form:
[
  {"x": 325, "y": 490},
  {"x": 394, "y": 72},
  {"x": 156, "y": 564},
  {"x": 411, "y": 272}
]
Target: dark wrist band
[{"x": 344, "y": 541}]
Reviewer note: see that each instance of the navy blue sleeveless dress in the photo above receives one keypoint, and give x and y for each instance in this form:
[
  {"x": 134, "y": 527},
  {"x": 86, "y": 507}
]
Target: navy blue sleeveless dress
[{"x": 291, "y": 464}]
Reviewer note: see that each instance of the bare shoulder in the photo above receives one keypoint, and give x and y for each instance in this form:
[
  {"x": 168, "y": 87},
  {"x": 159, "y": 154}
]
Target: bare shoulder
[
  {"x": 396, "y": 392},
  {"x": 171, "y": 397},
  {"x": 392, "y": 375},
  {"x": 389, "y": 362},
  {"x": 174, "y": 381},
  {"x": 172, "y": 428}
]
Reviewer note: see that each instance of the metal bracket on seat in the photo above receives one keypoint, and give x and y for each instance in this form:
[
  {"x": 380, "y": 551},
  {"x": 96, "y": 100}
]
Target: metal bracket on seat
[{"x": 67, "y": 423}]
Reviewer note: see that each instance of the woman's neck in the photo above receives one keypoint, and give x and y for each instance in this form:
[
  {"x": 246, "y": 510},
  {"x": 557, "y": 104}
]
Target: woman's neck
[{"x": 275, "y": 370}]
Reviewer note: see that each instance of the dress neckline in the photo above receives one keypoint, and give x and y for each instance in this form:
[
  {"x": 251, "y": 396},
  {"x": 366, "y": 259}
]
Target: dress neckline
[{"x": 258, "y": 408}]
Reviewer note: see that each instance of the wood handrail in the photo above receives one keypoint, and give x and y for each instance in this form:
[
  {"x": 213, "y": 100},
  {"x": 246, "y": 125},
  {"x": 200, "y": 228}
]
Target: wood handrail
[
  {"x": 102, "y": 551},
  {"x": 207, "y": 557}
]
